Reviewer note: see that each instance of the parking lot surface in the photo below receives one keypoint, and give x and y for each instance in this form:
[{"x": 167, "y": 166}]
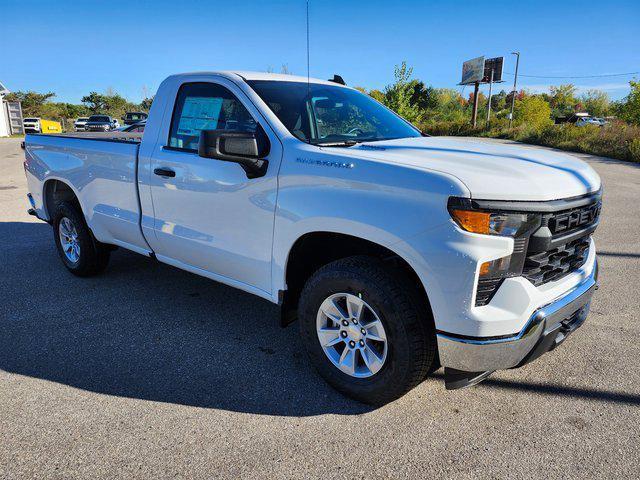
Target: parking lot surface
[{"x": 150, "y": 372}]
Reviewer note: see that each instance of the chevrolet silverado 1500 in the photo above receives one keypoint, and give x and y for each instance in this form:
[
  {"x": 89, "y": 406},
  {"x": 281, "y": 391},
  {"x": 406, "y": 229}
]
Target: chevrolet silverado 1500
[{"x": 396, "y": 252}]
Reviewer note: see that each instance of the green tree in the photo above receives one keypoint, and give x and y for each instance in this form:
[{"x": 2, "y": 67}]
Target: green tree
[
  {"x": 533, "y": 111},
  {"x": 629, "y": 108},
  {"x": 398, "y": 95},
  {"x": 448, "y": 106},
  {"x": 117, "y": 106},
  {"x": 499, "y": 101},
  {"x": 423, "y": 97},
  {"x": 377, "y": 95},
  {"x": 145, "y": 105},
  {"x": 596, "y": 102},
  {"x": 95, "y": 102},
  {"x": 111, "y": 103},
  {"x": 32, "y": 102},
  {"x": 563, "y": 100}
]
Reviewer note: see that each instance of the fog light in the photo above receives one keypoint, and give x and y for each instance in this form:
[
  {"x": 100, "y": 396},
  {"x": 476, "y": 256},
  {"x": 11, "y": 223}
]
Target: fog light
[
  {"x": 492, "y": 274},
  {"x": 495, "y": 268}
]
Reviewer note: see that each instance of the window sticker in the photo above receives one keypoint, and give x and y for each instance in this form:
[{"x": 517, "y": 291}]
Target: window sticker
[{"x": 199, "y": 113}]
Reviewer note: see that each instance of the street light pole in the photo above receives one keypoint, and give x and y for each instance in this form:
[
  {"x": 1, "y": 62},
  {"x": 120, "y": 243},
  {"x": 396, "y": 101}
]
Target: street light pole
[
  {"x": 515, "y": 80},
  {"x": 489, "y": 101}
]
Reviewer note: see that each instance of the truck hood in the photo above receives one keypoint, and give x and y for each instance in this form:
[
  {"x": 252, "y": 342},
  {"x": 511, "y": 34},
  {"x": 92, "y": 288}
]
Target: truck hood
[{"x": 490, "y": 170}]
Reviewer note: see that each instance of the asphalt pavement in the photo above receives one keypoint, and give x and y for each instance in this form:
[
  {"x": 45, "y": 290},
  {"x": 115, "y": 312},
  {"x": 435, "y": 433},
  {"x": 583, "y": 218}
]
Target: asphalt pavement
[{"x": 150, "y": 372}]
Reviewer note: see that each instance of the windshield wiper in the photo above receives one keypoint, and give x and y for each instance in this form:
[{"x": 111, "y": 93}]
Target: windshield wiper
[{"x": 345, "y": 143}]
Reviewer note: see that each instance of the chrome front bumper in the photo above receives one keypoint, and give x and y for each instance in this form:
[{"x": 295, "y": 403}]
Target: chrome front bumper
[{"x": 546, "y": 328}]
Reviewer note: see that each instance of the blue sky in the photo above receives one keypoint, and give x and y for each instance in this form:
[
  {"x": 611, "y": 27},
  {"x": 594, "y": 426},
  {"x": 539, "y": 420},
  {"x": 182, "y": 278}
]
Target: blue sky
[{"x": 73, "y": 47}]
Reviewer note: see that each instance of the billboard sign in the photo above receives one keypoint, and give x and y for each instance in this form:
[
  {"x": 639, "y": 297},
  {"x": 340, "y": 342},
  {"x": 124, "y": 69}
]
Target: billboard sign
[
  {"x": 496, "y": 65},
  {"x": 472, "y": 71}
]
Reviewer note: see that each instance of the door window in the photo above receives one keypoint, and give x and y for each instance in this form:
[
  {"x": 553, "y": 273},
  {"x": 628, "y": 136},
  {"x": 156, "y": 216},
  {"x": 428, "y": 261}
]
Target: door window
[{"x": 206, "y": 106}]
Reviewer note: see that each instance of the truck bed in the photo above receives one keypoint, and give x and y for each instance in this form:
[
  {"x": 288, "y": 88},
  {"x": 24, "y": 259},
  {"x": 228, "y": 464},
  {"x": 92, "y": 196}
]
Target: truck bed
[
  {"x": 102, "y": 136},
  {"x": 101, "y": 169}
]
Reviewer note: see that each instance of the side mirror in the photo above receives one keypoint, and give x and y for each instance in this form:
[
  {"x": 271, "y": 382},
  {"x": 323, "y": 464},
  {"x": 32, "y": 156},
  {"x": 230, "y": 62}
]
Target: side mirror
[{"x": 245, "y": 148}]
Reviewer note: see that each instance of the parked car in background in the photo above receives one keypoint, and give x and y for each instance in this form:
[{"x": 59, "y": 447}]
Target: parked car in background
[
  {"x": 79, "y": 124},
  {"x": 116, "y": 124},
  {"x": 31, "y": 125},
  {"x": 39, "y": 125},
  {"x": 135, "y": 128},
  {"x": 99, "y": 123},
  {"x": 131, "y": 118},
  {"x": 581, "y": 122}
]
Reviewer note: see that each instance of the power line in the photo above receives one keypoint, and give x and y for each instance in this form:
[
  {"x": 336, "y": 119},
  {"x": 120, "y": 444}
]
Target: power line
[{"x": 578, "y": 76}]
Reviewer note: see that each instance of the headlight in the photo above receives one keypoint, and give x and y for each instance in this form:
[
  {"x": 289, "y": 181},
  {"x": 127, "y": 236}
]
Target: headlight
[
  {"x": 506, "y": 224},
  {"x": 517, "y": 225}
]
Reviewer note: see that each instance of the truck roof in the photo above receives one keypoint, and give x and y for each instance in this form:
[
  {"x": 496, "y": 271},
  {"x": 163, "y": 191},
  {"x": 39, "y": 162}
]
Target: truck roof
[{"x": 245, "y": 75}]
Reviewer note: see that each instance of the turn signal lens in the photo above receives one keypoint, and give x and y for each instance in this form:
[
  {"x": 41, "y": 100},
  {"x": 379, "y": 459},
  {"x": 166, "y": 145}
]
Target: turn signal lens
[
  {"x": 495, "y": 268},
  {"x": 471, "y": 221}
]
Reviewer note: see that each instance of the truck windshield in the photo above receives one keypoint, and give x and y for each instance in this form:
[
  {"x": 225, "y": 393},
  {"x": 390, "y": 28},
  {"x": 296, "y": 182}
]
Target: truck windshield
[
  {"x": 99, "y": 118},
  {"x": 326, "y": 114}
]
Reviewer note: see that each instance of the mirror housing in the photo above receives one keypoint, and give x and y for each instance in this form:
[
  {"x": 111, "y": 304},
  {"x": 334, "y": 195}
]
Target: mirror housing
[{"x": 248, "y": 149}]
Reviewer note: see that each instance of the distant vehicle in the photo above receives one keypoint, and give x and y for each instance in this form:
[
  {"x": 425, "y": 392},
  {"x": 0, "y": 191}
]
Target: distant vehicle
[
  {"x": 79, "y": 124},
  {"x": 116, "y": 124},
  {"x": 583, "y": 121},
  {"x": 601, "y": 121},
  {"x": 99, "y": 123},
  {"x": 131, "y": 118},
  {"x": 39, "y": 125},
  {"x": 31, "y": 125},
  {"x": 135, "y": 128},
  {"x": 580, "y": 119}
]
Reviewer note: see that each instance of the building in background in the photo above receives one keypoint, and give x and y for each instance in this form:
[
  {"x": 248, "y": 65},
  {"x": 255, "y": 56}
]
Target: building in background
[{"x": 10, "y": 115}]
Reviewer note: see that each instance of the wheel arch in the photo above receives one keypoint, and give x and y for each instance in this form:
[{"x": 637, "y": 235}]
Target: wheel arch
[
  {"x": 313, "y": 249},
  {"x": 58, "y": 190}
]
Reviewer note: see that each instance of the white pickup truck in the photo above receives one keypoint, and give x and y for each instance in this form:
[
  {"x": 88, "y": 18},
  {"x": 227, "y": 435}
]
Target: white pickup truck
[{"x": 396, "y": 252}]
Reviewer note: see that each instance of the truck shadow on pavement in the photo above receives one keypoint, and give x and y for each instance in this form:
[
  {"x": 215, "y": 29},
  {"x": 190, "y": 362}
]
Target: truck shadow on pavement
[{"x": 149, "y": 331}]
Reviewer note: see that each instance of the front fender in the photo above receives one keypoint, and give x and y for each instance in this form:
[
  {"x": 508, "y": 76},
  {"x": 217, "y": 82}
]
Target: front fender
[{"x": 380, "y": 202}]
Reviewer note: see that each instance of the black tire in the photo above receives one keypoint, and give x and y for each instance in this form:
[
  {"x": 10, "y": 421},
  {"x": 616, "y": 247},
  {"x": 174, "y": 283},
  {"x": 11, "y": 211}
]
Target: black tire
[
  {"x": 94, "y": 256},
  {"x": 411, "y": 350}
]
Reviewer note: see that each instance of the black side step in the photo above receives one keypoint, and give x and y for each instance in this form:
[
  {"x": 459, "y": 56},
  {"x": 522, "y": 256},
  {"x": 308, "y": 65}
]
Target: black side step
[{"x": 454, "y": 379}]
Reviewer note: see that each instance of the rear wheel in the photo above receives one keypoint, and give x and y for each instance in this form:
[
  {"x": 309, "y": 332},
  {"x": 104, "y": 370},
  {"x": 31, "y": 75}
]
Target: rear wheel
[
  {"x": 366, "y": 330},
  {"x": 80, "y": 252}
]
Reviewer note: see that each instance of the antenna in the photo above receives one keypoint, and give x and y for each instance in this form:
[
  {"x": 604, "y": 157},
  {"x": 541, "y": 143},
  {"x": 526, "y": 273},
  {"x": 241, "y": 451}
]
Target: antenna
[{"x": 308, "y": 75}]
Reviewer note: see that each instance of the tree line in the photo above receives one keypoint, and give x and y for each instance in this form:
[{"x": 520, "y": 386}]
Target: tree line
[
  {"x": 413, "y": 99},
  {"x": 41, "y": 105},
  {"x": 423, "y": 104},
  {"x": 442, "y": 111}
]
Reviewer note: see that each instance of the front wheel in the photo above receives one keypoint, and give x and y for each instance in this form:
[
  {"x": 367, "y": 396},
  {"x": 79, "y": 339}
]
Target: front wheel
[
  {"x": 80, "y": 252},
  {"x": 366, "y": 330}
]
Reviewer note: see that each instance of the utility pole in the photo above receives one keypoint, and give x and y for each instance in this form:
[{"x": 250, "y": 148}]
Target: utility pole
[
  {"x": 489, "y": 102},
  {"x": 515, "y": 80},
  {"x": 474, "y": 115}
]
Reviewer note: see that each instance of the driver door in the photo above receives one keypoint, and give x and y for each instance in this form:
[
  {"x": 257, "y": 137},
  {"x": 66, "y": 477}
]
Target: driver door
[{"x": 209, "y": 217}]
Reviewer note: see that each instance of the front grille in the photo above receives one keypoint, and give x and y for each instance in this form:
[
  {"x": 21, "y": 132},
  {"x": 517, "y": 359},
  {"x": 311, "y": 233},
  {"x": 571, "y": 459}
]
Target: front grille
[
  {"x": 555, "y": 244},
  {"x": 567, "y": 221},
  {"x": 540, "y": 268}
]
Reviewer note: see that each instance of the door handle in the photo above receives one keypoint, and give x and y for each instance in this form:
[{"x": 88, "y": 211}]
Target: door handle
[{"x": 164, "y": 172}]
